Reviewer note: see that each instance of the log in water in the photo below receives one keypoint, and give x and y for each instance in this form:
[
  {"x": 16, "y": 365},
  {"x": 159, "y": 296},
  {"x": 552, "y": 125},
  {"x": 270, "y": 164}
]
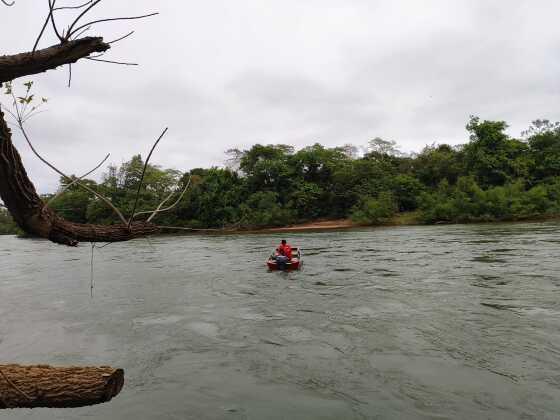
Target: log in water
[{"x": 57, "y": 387}]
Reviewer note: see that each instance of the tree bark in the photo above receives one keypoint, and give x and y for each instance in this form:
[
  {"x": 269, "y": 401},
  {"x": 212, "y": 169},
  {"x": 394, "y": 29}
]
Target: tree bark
[
  {"x": 57, "y": 387},
  {"x": 35, "y": 218},
  {"x": 25, "y": 64}
]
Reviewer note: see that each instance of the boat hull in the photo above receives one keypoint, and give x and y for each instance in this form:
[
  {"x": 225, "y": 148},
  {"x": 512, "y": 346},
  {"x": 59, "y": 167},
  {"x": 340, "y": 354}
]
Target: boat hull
[{"x": 291, "y": 265}]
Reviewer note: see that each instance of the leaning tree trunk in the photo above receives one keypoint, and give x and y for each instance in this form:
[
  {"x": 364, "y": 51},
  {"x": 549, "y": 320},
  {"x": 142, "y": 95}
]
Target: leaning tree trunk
[
  {"x": 17, "y": 190},
  {"x": 45, "y": 386},
  {"x": 34, "y": 217},
  {"x": 57, "y": 387}
]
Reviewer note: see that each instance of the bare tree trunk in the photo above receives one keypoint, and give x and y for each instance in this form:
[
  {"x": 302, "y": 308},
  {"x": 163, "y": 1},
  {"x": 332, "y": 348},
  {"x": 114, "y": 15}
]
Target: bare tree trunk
[
  {"x": 47, "y": 386},
  {"x": 34, "y": 217}
]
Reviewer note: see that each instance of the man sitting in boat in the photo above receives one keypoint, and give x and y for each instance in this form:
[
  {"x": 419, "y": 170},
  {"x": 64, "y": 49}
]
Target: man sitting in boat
[{"x": 283, "y": 252}]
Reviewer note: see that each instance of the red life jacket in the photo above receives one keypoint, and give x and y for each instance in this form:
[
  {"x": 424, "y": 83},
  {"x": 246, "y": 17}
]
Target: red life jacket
[{"x": 285, "y": 250}]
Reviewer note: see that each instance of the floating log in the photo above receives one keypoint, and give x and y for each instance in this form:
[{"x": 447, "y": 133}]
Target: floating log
[{"x": 57, "y": 387}]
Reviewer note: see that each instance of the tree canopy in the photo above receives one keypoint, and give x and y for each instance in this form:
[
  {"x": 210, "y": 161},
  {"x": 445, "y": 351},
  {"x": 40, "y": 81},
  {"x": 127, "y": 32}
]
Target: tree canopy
[{"x": 491, "y": 177}]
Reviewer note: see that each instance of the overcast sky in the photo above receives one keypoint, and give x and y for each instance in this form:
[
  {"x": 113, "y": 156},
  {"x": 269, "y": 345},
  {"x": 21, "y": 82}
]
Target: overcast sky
[{"x": 224, "y": 74}]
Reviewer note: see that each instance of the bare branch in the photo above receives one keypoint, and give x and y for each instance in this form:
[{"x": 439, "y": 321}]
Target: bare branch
[
  {"x": 58, "y": 171},
  {"x": 77, "y": 180},
  {"x": 74, "y": 7},
  {"x": 121, "y": 38},
  {"x": 160, "y": 210},
  {"x": 81, "y": 15},
  {"x": 51, "y": 6},
  {"x": 144, "y": 173},
  {"x": 165, "y": 200},
  {"x": 25, "y": 64},
  {"x": 43, "y": 28},
  {"x": 122, "y": 63},
  {"x": 93, "y": 22},
  {"x": 83, "y": 31},
  {"x": 159, "y": 207}
]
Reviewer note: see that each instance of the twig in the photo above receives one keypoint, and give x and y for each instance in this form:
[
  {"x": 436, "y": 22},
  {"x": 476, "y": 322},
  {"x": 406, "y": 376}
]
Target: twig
[
  {"x": 32, "y": 114},
  {"x": 111, "y": 62},
  {"x": 73, "y": 7},
  {"x": 144, "y": 173},
  {"x": 82, "y": 32},
  {"x": 43, "y": 28},
  {"x": 93, "y": 22},
  {"x": 159, "y": 209},
  {"x": 81, "y": 15},
  {"x": 58, "y": 171},
  {"x": 160, "y": 204},
  {"x": 8, "y": 4},
  {"x": 121, "y": 38},
  {"x": 77, "y": 180},
  {"x": 51, "y": 6},
  {"x": 91, "y": 271}
]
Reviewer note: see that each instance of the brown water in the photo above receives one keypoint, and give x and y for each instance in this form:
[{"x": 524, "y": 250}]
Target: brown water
[{"x": 394, "y": 323}]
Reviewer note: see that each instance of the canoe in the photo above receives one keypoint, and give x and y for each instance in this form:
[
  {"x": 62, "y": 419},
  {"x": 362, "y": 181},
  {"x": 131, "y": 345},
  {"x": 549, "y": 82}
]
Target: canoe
[{"x": 293, "y": 264}]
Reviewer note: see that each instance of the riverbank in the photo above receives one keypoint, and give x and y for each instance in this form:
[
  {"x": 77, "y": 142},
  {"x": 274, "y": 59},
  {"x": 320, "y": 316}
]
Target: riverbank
[{"x": 400, "y": 219}]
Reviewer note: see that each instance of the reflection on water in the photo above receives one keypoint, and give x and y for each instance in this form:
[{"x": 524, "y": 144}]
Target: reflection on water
[{"x": 407, "y": 323}]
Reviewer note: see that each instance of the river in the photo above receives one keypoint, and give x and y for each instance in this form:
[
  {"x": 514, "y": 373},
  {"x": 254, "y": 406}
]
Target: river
[{"x": 423, "y": 322}]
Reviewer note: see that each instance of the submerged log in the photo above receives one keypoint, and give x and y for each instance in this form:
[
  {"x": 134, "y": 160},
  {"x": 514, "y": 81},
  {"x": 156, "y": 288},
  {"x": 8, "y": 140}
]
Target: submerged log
[{"x": 57, "y": 387}]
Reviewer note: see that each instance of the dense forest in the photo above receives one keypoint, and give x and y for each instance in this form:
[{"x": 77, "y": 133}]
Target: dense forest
[{"x": 492, "y": 177}]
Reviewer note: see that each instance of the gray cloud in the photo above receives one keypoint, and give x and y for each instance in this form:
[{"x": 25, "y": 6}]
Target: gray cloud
[{"x": 229, "y": 74}]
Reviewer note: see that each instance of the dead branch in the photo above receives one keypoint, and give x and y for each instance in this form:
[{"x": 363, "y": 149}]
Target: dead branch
[
  {"x": 58, "y": 171},
  {"x": 43, "y": 28},
  {"x": 51, "y": 13},
  {"x": 144, "y": 173},
  {"x": 81, "y": 6},
  {"x": 160, "y": 210},
  {"x": 74, "y": 182},
  {"x": 34, "y": 217},
  {"x": 93, "y": 22},
  {"x": 159, "y": 207},
  {"x": 121, "y": 38},
  {"x": 83, "y": 31},
  {"x": 25, "y": 64},
  {"x": 112, "y": 62},
  {"x": 81, "y": 15}
]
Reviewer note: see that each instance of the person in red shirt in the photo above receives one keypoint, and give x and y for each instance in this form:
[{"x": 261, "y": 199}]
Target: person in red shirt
[{"x": 284, "y": 250}]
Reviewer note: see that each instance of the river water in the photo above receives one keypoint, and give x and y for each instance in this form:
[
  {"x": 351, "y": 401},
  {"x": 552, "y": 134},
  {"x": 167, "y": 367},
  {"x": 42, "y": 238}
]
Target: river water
[{"x": 439, "y": 322}]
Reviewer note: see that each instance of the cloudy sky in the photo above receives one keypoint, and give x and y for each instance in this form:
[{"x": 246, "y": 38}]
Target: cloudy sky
[{"x": 224, "y": 74}]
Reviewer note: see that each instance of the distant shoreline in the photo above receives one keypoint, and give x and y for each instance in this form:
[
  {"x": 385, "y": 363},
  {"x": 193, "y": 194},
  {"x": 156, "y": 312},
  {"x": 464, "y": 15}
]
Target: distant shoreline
[{"x": 400, "y": 219}]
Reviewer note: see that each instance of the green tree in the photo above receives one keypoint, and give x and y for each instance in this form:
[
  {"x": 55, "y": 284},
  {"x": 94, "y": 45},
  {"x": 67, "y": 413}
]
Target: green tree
[
  {"x": 491, "y": 156},
  {"x": 374, "y": 211}
]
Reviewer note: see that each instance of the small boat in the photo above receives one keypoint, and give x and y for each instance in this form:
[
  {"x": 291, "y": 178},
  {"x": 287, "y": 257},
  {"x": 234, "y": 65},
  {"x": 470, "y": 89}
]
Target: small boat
[{"x": 293, "y": 264}]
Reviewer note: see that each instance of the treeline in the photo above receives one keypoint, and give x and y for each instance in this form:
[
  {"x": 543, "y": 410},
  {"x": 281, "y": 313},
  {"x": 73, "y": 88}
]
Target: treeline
[{"x": 492, "y": 177}]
